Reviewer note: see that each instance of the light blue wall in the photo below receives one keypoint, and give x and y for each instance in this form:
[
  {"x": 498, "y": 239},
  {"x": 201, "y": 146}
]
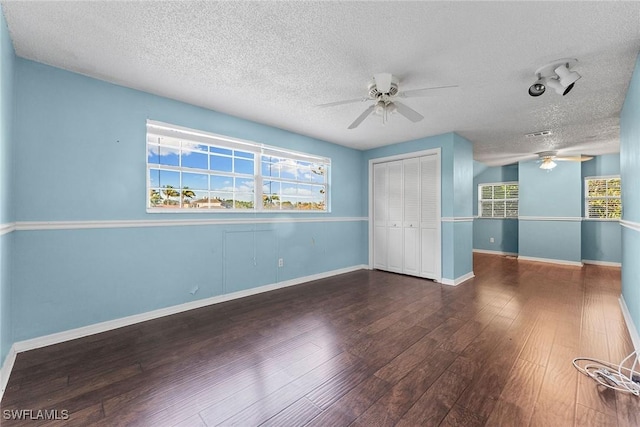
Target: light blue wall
[
  {"x": 462, "y": 206},
  {"x": 462, "y": 177},
  {"x": 630, "y": 175},
  {"x": 70, "y": 278},
  {"x": 7, "y": 58},
  {"x": 82, "y": 136},
  {"x": 555, "y": 193},
  {"x": 503, "y": 231},
  {"x": 601, "y": 240},
  {"x": 456, "y": 157},
  {"x": 544, "y": 196},
  {"x": 81, "y": 150},
  {"x": 606, "y": 165}
]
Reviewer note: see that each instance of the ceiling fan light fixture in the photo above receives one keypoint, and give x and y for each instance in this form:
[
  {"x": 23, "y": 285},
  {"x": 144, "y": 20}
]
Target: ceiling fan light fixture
[
  {"x": 548, "y": 164},
  {"x": 383, "y": 91},
  {"x": 391, "y": 108}
]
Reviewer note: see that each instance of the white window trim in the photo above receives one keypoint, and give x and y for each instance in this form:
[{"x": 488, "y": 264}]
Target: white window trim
[
  {"x": 480, "y": 199},
  {"x": 259, "y": 150},
  {"x": 586, "y": 197}
]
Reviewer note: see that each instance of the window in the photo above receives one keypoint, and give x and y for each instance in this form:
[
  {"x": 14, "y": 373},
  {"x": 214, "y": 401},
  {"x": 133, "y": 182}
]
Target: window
[
  {"x": 191, "y": 171},
  {"x": 498, "y": 200},
  {"x": 602, "y": 197}
]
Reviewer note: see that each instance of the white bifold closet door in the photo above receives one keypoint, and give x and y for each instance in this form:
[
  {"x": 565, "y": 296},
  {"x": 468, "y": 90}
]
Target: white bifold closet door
[
  {"x": 394, "y": 221},
  {"x": 405, "y": 216},
  {"x": 411, "y": 216},
  {"x": 380, "y": 215},
  {"x": 429, "y": 217}
]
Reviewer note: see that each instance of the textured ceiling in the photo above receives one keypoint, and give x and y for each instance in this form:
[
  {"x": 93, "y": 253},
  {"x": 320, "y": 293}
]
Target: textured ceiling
[{"x": 273, "y": 62}]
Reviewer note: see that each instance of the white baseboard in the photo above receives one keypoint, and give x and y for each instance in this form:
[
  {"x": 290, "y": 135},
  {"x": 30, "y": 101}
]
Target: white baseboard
[
  {"x": 458, "y": 280},
  {"x": 550, "y": 261},
  {"x": 486, "y": 251},
  {"x": 97, "y": 328},
  {"x": 633, "y": 332},
  {"x": 5, "y": 371},
  {"x": 603, "y": 263}
]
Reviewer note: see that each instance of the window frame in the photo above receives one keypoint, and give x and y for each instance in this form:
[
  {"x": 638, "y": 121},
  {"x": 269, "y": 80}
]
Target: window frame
[
  {"x": 181, "y": 135},
  {"x": 588, "y": 198},
  {"x": 493, "y": 200}
]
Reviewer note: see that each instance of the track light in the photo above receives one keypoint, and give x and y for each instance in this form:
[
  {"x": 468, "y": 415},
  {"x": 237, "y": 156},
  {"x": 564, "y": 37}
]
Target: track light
[
  {"x": 567, "y": 77},
  {"x": 557, "y": 87},
  {"x": 537, "y": 88},
  {"x": 557, "y": 76}
]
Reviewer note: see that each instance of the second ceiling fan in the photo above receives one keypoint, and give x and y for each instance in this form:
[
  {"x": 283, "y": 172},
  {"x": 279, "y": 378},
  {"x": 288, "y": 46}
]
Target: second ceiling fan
[
  {"x": 383, "y": 90},
  {"x": 546, "y": 159}
]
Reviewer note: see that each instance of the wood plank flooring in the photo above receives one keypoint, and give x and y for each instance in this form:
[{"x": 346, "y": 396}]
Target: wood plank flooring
[{"x": 368, "y": 348}]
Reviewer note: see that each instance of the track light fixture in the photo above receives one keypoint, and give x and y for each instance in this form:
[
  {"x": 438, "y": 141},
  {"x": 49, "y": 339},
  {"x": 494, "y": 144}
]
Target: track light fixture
[
  {"x": 567, "y": 77},
  {"x": 557, "y": 87},
  {"x": 556, "y": 75},
  {"x": 538, "y": 87}
]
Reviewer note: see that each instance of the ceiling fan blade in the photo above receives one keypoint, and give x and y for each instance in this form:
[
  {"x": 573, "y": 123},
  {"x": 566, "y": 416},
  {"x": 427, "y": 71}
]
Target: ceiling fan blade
[
  {"x": 361, "y": 117},
  {"x": 409, "y": 113},
  {"x": 573, "y": 158},
  {"x": 383, "y": 82},
  {"x": 427, "y": 91},
  {"x": 347, "y": 101},
  {"x": 510, "y": 159}
]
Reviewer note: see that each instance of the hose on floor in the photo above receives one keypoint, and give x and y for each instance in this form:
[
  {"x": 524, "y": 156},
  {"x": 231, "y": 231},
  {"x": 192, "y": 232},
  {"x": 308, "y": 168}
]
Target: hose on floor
[{"x": 615, "y": 377}]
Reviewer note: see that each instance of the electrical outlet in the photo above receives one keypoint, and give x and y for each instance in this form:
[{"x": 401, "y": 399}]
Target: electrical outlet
[
  {"x": 491, "y": 240},
  {"x": 280, "y": 262}
]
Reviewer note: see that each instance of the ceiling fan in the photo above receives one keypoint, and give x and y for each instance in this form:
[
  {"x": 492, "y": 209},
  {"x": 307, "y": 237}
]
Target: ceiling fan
[
  {"x": 383, "y": 91},
  {"x": 547, "y": 159}
]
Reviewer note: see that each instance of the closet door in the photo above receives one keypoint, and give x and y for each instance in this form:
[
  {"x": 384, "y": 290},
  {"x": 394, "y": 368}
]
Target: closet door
[
  {"x": 380, "y": 215},
  {"x": 429, "y": 217},
  {"x": 395, "y": 258},
  {"x": 411, "y": 216}
]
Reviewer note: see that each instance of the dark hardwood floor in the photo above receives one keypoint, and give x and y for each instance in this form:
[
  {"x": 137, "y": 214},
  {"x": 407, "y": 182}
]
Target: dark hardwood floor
[{"x": 367, "y": 348}]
